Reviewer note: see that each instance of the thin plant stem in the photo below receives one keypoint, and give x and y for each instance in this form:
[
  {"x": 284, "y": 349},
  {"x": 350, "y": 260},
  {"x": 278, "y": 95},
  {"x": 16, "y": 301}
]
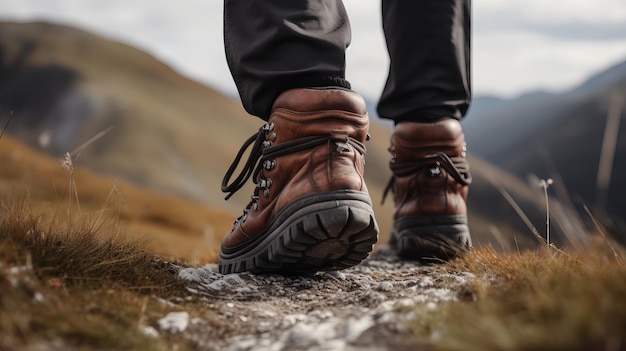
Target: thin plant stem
[
  {"x": 545, "y": 184},
  {"x": 6, "y": 125},
  {"x": 602, "y": 232},
  {"x": 505, "y": 194}
]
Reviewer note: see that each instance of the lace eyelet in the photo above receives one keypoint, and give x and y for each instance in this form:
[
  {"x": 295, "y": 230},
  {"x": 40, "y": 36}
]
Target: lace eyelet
[
  {"x": 434, "y": 171},
  {"x": 265, "y": 185},
  {"x": 269, "y": 165},
  {"x": 268, "y": 127},
  {"x": 392, "y": 151}
]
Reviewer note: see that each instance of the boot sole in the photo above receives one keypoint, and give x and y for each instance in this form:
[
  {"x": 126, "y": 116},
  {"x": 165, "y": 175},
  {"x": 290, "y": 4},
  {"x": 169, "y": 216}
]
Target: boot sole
[
  {"x": 320, "y": 232},
  {"x": 431, "y": 239}
]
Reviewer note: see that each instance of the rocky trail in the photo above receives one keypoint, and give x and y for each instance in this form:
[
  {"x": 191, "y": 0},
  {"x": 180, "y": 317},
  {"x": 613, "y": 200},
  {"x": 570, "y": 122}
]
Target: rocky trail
[{"x": 367, "y": 307}]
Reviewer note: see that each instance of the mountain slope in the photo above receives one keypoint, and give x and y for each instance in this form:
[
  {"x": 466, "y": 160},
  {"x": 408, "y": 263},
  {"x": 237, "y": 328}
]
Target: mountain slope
[
  {"x": 159, "y": 116},
  {"x": 172, "y": 226},
  {"x": 559, "y": 136}
]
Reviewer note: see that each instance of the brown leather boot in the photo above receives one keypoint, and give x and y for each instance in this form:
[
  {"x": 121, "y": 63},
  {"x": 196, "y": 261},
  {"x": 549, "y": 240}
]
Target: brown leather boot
[
  {"x": 310, "y": 210},
  {"x": 430, "y": 185}
]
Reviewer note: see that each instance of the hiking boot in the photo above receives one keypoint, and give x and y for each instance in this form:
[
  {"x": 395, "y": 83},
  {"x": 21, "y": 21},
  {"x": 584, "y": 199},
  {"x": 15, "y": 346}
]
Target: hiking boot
[
  {"x": 310, "y": 210},
  {"x": 430, "y": 183}
]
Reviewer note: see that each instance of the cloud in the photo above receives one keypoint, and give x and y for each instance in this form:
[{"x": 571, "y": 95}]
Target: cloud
[
  {"x": 572, "y": 20},
  {"x": 510, "y": 63},
  {"x": 561, "y": 29},
  {"x": 581, "y": 31}
]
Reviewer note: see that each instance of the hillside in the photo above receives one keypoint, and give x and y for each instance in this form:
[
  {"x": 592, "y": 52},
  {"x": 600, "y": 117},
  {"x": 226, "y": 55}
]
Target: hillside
[
  {"x": 70, "y": 85},
  {"x": 176, "y": 136},
  {"x": 172, "y": 227}
]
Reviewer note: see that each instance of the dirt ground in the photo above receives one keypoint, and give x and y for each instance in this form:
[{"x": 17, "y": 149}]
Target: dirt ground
[{"x": 367, "y": 307}]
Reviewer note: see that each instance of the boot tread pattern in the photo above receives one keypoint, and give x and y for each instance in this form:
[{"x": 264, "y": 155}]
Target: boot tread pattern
[{"x": 323, "y": 240}]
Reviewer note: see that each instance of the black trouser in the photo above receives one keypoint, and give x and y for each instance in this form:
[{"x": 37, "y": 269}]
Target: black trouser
[{"x": 275, "y": 45}]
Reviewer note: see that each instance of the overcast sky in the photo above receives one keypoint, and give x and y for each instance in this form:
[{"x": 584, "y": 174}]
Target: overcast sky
[{"x": 518, "y": 45}]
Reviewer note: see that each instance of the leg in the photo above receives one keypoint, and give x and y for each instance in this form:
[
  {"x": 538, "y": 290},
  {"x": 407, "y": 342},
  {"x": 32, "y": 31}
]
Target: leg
[
  {"x": 273, "y": 46},
  {"x": 427, "y": 92},
  {"x": 310, "y": 209},
  {"x": 429, "y": 50}
]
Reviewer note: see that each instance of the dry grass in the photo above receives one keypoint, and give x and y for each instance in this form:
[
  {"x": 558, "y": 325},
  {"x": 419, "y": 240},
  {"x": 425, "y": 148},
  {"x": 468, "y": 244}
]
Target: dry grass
[
  {"x": 74, "y": 288},
  {"x": 81, "y": 256},
  {"x": 172, "y": 227},
  {"x": 80, "y": 287},
  {"x": 538, "y": 300}
]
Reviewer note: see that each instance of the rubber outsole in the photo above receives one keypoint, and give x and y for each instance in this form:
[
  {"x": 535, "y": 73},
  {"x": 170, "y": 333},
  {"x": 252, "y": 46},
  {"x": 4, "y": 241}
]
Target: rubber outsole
[
  {"x": 322, "y": 232},
  {"x": 430, "y": 239}
]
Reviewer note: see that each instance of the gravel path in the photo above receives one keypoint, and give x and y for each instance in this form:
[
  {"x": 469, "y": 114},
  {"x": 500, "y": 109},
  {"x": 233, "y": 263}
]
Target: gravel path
[{"x": 366, "y": 307}]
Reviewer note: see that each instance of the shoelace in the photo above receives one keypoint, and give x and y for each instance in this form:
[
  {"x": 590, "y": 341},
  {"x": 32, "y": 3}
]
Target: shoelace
[
  {"x": 457, "y": 167},
  {"x": 260, "y": 153}
]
